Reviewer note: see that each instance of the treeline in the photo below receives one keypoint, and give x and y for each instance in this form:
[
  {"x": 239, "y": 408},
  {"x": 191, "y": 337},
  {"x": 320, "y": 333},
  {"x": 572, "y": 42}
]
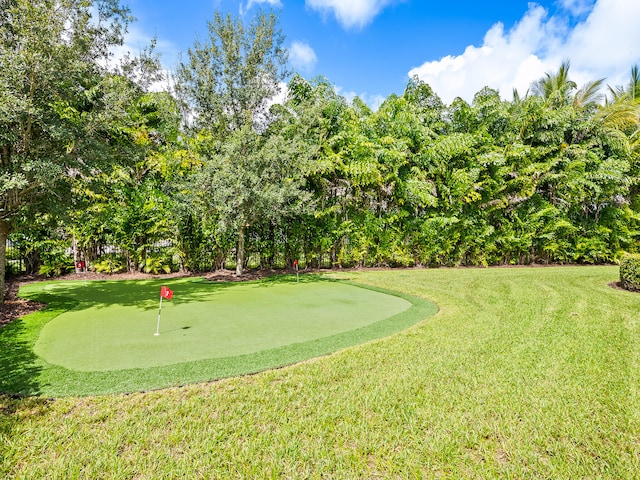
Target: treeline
[
  {"x": 213, "y": 176},
  {"x": 550, "y": 177}
]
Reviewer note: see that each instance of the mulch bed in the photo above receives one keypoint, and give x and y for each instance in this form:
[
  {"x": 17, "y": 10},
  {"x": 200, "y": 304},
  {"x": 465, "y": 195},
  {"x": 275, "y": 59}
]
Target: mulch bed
[
  {"x": 14, "y": 307},
  {"x": 248, "y": 275},
  {"x": 618, "y": 286}
]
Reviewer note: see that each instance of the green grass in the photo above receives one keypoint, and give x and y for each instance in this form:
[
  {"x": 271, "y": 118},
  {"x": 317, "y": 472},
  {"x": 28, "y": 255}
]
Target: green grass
[
  {"x": 105, "y": 342},
  {"x": 523, "y": 373}
]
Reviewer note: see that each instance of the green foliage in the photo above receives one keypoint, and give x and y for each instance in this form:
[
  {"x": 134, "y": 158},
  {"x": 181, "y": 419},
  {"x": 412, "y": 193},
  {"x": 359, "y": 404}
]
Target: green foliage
[
  {"x": 56, "y": 260},
  {"x": 63, "y": 115},
  {"x": 12, "y": 269},
  {"x": 227, "y": 82},
  {"x": 551, "y": 177},
  {"x": 109, "y": 263},
  {"x": 630, "y": 271},
  {"x": 157, "y": 263}
]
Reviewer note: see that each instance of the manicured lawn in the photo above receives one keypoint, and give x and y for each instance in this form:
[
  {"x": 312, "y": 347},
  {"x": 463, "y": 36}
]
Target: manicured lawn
[
  {"x": 523, "y": 373},
  {"x": 105, "y": 341}
]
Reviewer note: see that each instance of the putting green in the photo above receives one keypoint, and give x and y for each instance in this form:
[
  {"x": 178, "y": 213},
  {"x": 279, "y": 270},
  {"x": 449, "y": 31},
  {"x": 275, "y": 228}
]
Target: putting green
[
  {"x": 98, "y": 337},
  {"x": 223, "y": 322}
]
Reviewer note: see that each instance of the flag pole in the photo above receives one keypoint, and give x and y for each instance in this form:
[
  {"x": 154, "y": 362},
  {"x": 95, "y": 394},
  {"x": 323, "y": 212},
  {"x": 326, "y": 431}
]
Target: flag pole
[{"x": 158, "y": 326}]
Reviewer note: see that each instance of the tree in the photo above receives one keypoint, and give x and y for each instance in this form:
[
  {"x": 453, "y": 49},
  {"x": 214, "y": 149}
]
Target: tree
[
  {"x": 622, "y": 111},
  {"x": 228, "y": 81},
  {"x": 226, "y": 84},
  {"x": 631, "y": 91},
  {"x": 558, "y": 90},
  {"x": 555, "y": 89},
  {"x": 55, "y": 100},
  {"x": 128, "y": 207}
]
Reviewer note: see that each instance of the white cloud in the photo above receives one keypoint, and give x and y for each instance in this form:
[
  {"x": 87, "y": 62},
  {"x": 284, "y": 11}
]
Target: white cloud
[
  {"x": 606, "y": 43},
  {"x": 603, "y": 45},
  {"x": 351, "y": 13},
  {"x": 135, "y": 41},
  {"x": 373, "y": 101},
  {"x": 302, "y": 57},
  {"x": 577, "y": 7},
  {"x": 251, "y": 3}
]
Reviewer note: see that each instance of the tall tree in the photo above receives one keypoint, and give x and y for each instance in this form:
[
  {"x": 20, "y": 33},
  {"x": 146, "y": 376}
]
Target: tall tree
[
  {"x": 227, "y": 83},
  {"x": 54, "y": 102},
  {"x": 622, "y": 111},
  {"x": 128, "y": 207},
  {"x": 558, "y": 90}
]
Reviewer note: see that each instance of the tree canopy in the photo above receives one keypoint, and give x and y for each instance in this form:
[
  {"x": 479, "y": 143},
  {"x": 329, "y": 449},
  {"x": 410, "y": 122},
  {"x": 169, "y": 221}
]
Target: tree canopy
[
  {"x": 63, "y": 113},
  {"x": 226, "y": 85},
  {"x": 218, "y": 174}
]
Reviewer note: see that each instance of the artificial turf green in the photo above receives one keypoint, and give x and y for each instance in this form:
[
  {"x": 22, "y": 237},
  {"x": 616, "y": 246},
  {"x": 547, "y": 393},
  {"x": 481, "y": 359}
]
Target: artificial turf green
[{"x": 98, "y": 337}]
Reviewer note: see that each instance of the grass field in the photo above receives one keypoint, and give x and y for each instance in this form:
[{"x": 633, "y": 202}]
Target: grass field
[
  {"x": 523, "y": 373},
  {"x": 105, "y": 341}
]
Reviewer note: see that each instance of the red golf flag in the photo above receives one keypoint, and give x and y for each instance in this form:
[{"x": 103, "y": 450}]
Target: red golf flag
[{"x": 166, "y": 293}]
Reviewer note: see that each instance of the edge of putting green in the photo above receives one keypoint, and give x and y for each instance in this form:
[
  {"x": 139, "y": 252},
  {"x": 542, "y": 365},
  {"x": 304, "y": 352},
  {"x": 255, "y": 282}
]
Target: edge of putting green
[{"x": 23, "y": 373}]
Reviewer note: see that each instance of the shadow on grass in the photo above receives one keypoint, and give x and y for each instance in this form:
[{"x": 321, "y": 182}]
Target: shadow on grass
[
  {"x": 145, "y": 294},
  {"x": 27, "y": 374},
  {"x": 20, "y": 367}
]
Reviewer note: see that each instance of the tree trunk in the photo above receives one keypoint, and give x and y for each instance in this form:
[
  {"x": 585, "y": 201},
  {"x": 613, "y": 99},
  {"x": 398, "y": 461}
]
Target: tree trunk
[
  {"x": 240, "y": 253},
  {"x": 4, "y": 233}
]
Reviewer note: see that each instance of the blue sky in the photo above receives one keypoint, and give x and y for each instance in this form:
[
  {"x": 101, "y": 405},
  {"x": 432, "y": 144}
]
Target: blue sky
[{"x": 370, "y": 48}]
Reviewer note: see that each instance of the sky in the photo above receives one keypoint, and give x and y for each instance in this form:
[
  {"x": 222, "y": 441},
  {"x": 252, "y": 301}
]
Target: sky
[{"x": 371, "y": 48}]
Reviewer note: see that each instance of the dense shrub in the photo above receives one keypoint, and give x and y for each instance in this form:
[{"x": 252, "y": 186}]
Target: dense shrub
[
  {"x": 56, "y": 266},
  {"x": 109, "y": 263},
  {"x": 630, "y": 271},
  {"x": 56, "y": 259},
  {"x": 161, "y": 262},
  {"x": 12, "y": 269}
]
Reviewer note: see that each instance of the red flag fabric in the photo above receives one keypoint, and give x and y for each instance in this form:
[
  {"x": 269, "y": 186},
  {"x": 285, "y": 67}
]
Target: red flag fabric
[
  {"x": 295, "y": 263},
  {"x": 166, "y": 292}
]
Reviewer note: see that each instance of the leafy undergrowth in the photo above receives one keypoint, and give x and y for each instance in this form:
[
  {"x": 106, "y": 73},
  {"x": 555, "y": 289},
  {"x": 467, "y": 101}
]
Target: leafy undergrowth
[{"x": 523, "y": 373}]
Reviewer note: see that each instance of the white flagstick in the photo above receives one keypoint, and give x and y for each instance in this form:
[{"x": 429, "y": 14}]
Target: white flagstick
[
  {"x": 159, "y": 310},
  {"x": 297, "y": 275}
]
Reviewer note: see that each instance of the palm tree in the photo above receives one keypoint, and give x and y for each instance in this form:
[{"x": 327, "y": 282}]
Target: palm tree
[
  {"x": 632, "y": 91},
  {"x": 555, "y": 89},
  {"x": 558, "y": 90},
  {"x": 589, "y": 94},
  {"x": 622, "y": 111}
]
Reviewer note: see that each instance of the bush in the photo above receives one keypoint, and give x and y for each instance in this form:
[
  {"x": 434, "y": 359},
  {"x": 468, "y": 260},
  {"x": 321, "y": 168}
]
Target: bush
[
  {"x": 12, "y": 269},
  {"x": 159, "y": 263},
  {"x": 109, "y": 263},
  {"x": 630, "y": 271},
  {"x": 56, "y": 266}
]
